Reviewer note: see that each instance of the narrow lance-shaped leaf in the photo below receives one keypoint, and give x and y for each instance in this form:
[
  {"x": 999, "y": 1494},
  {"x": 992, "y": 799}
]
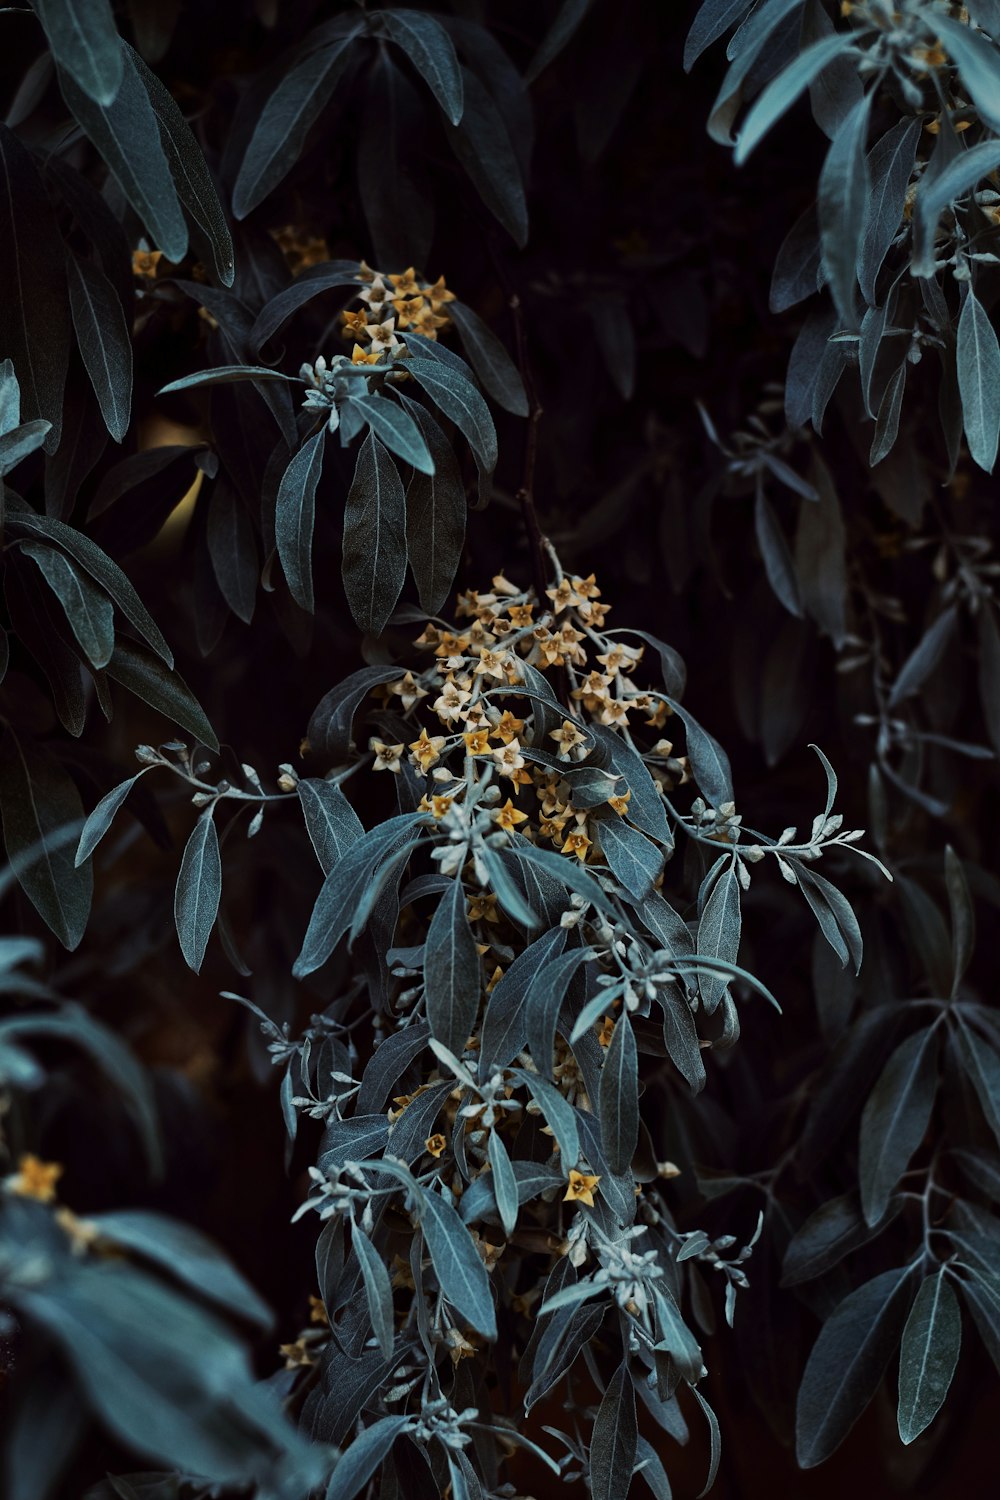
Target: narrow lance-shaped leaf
[
  {"x": 435, "y": 515},
  {"x": 374, "y": 555},
  {"x": 377, "y": 1289},
  {"x": 978, "y": 361},
  {"x": 361, "y": 1458},
  {"x": 87, "y": 608},
  {"x": 619, "y": 1098},
  {"x": 84, "y": 40},
  {"x": 719, "y": 932},
  {"x": 504, "y": 1183},
  {"x": 295, "y": 516},
  {"x": 165, "y": 691},
  {"x": 783, "y": 90},
  {"x": 397, "y": 430},
  {"x": 931, "y": 1341},
  {"x": 39, "y": 801},
  {"x": 430, "y": 50},
  {"x": 490, "y": 360},
  {"x": 99, "y": 821},
  {"x": 457, "y": 1263},
  {"x": 198, "y": 890},
  {"x": 895, "y": 1119},
  {"x": 105, "y": 342},
  {"x": 482, "y": 144},
  {"x": 462, "y": 404},
  {"x": 615, "y": 1435},
  {"x": 843, "y": 207},
  {"x": 451, "y": 971}
]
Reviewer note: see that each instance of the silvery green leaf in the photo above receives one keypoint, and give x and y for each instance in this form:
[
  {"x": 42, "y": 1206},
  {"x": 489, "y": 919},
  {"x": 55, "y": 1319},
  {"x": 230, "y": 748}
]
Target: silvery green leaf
[
  {"x": 490, "y": 360},
  {"x": 462, "y": 404},
  {"x": 843, "y": 208},
  {"x": 435, "y": 514},
  {"x": 782, "y": 92},
  {"x": 708, "y": 761},
  {"x": 963, "y": 916},
  {"x": 542, "y": 1002},
  {"x": 833, "y": 912},
  {"x": 85, "y": 41},
  {"x": 295, "y": 515},
  {"x": 397, "y": 430},
  {"x": 452, "y": 977},
  {"x": 374, "y": 554},
  {"x": 796, "y": 273},
  {"x": 459, "y": 1269},
  {"x": 925, "y": 656},
  {"x": 895, "y": 1119},
  {"x": 483, "y": 146},
  {"x": 981, "y": 1064},
  {"x": 87, "y": 608},
  {"x": 505, "y": 1027},
  {"x": 558, "y": 1114},
  {"x": 377, "y": 1289},
  {"x": 163, "y": 690},
  {"x": 331, "y": 822},
  {"x": 615, "y": 1437},
  {"x": 429, "y": 48},
  {"x": 719, "y": 932},
  {"x": 99, "y": 821},
  {"x": 619, "y": 1097},
  {"x": 104, "y": 340},
  {"x": 929, "y": 1353},
  {"x": 226, "y": 375},
  {"x": 634, "y": 859},
  {"x": 198, "y": 890},
  {"x": 978, "y": 61},
  {"x": 505, "y": 1185},
  {"x": 714, "y": 18},
  {"x": 38, "y": 800},
  {"x": 887, "y": 422},
  {"x": 847, "y": 1363},
  {"x": 890, "y": 166},
  {"x": 364, "y": 1454},
  {"x": 681, "y": 1040},
  {"x": 779, "y": 564},
  {"x": 978, "y": 362},
  {"x": 832, "y": 1231},
  {"x": 715, "y": 1440}
]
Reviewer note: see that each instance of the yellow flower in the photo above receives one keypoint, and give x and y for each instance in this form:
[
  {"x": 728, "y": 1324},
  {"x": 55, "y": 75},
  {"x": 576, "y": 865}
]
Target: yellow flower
[
  {"x": 576, "y": 843},
  {"x": 507, "y": 728},
  {"x": 477, "y": 742},
  {"x": 145, "y": 262},
  {"x": 434, "y": 1145},
  {"x": 483, "y": 908},
  {"x": 581, "y": 1188},
  {"x": 521, "y": 614},
  {"x": 406, "y": 284},
  {"x": 620, "y": 804},
  {"x": 494, "y": 980},
  {"x": 567, "y": 737},
  {"x": 355, "y": 324},
  {"x": 317, "y": 1310},
  {"x": 359, "y": 357},
  {"x": 387, "y": 757},
  {"x": 427, "y": 322},
  {"x": 296, "y": 1354},
  {"x": 426, "y": 751},
  {"x": 607, "y": 1031},
  {"x": 438, "y": 294},
  {"x": 35, "y": 1178},
  {"x": 508, "y": 759},
  {"x": 508, "y": 816}
]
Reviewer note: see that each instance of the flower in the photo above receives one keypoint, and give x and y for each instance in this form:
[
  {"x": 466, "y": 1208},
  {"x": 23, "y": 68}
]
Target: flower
[
  {"x": 508, "y": 817},
  {"x": 435, "y": 1145},
  {"x": 359, "y": 357},
  {"x": 477, "y": 742},
  {"x": 576, "y": 843},
  {"x": 451, "y": 702},
  {"x": 145, "y": 263},
  {"x": 483, "y": 907},
  {"x": 387, "y": 757},
  {"x": 438, "y": 294},
  {"x": 35, "y": 1178},
  {"x": 355, "y": 324},
  {"x": 567, "y": 737},
  {"x": 620, "y": 804},
  {"x": 508, "y": 759},
  {"x": 405, "y": 285},
  {"x": 383, "y": 336},
  {"x": 507, "y": 728},
  {"x": 581, "y": 1188},
  {"x": 426, "y": 751}
]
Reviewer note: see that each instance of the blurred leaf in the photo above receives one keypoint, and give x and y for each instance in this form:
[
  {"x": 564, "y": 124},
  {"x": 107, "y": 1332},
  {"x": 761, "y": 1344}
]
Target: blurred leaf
[{"x": 38, "y": 799}]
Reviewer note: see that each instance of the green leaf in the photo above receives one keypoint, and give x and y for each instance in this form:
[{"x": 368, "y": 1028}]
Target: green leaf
[
  {"x": 452, "y": 979},
  {"x": 331, "y": 822},
  {"x": 931, "y": 1341},
  {"x": 680, "y": 1037},
  {"x": 847, "y": 1363},
  {"x": 100, "y": 820},
  {"x": 715, "y": 1440},
  {"x": 978, "y": 62},
  {"x": 981, "y": 1063},
  {"x": 843, "y": 207},
  {"x": 890, "y": 167},
  {"x": 831, "y": 1231},
  {"x": 783, "y": 90},
  {"x": 978, "y": 361},
  {"x": 226, "y": 375},
  {"x": 937, "y": 189},
  {"x": 295, "y": 515},
  {"x": 505, "y": 1184},
  {"x": 779, "y": 565},
  {"x": 435, "y": 515},
  {"x": 895, "y": 1119},
  {"x": 34, "y": 307},
  {"x": 84, "y": 41},
  {"x": 614, "y": 1440},
  {"x": 362, "y": 1457},
  {"x": 719, "y": 932},
  {"x": 374, "y": 556},
  {"x": 963, "y": 916},
  {"x": 490, "y": 360},
  {"x": 483, "y": 147},
  {"x": 634, "y": 859},
  {"x": 925, "y": 656},
  {"x": 165, "y": 691},
  {"x": 430, "y": 50},
  {"x": 127, "y": 134},
  {"x": 378, "y": 1290},
  {"x": 397, "y": 430},
  {"x": 457, "y": 1265},
  {"x": 713, "y": 19},
  {"x": 558, "y": 1114},
  {"x": 186, "y": 1254},
  {"x": 192, "y": 178},
  {"x": 198, "y": 890},
  {"x": 17, "y": 444},
  {"x": 105, "y": 342},
  {"x": 233, "y": 549},
  {"x": 462, "y": 404},
  {"x": 332, "y": 721},
  {"x": 887, "y": 422},
  {"x": 279, "y": 135},
  {"x": 619, "y": 1098},
  {"x": 38, "y": 800},
  {"x": 87, "y": 608},
  {"x": 708, "y": 761}
]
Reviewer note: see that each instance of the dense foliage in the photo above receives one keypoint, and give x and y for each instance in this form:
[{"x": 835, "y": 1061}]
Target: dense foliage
[{"x": 409, "y": 487}]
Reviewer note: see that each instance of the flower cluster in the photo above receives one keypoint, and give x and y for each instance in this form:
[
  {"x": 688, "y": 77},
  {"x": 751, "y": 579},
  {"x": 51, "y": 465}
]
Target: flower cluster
[{"x": 391, "y": 305}]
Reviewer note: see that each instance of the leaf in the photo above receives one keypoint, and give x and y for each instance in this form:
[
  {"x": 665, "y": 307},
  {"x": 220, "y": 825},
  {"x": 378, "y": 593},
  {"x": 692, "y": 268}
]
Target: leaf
[
  {"x": 105, "y": 342},
  {"x": 331, "y": 724},
  {"x": 614, "y": 1439},
  {"x": 294, "y": 518},
  {"x": 490, "y": 360},
  {"x": 777, "y": 555},
  {"x": 331, "y": 822},
  {"x": 714, "y": 19},
  {"x": 645, "y": 807},
  {"x": 84, "y": 40},
  {"x": 931, "y": 1341},
  {"x": 925, "y": 656},
  {"x": 831, "y": 1231},
  {"x": 887, "y": 423},
  {"x": 890, "y": 167},
  {"x": 435, "y": 515},
  {"x": 280, "y": 133},
  {"x": 226, "y": 375},
  {"x": 38, "y": 800},
  {"x": 25, "y": 439},
  {"x": 950, "y": 184},
  {"x": 847, "y": 1363},
  {"x": 619, "y": 1098},
  {"x": 127, "y": 134},
  {"x": 307, "y": 285},
  {"x": 895, "y": 1119},
  {"x": 87, "y": 608},
  {"x": 198, "y": 890},
  {"x": 719, "y": 932},
  {"x": 374, "y": 557},
  {"x": 430, "y": 50},
  {"x": 397, "y": 430},
  {"x": 833, "y": 912},
  {"x": 100, "y": 820},
  {"x": 843, "y": 207},
  {"x": 978, "y": 361},
  {"x": 781, "y": 93},
  {"x": 708, "y": 761},
  {"x": 680, "y": 1037},
  {"x": 192, "y": 178},
  {"x": 963, "y": 916},
  {"x": 976, "y": 58},
  {"x": 558, "y": 1114},
  {"x": 462, "y": 404},
  {"x": 982, "y": 1067},
  {"x": 34, "y": 308},
  {"x": 163, "y": 690},
  {"x": 363, "y": 1456},
  {"x": 186, "y": 1254},
  {"x": 542, "y": 1003},
  {"x": 634, "y": 860},
  {"x": 505, "y": 1026},
  {"x": 483, "y": 147},
  {"x": 459, "y": 1270},
  {"x": 562, "y": 29},
  {"x": 377, "y": 1289},
  {"x": 233, "y": 550},
  {"x": 452, "y": 980},
  {"x": 505, "y": 1184}
]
